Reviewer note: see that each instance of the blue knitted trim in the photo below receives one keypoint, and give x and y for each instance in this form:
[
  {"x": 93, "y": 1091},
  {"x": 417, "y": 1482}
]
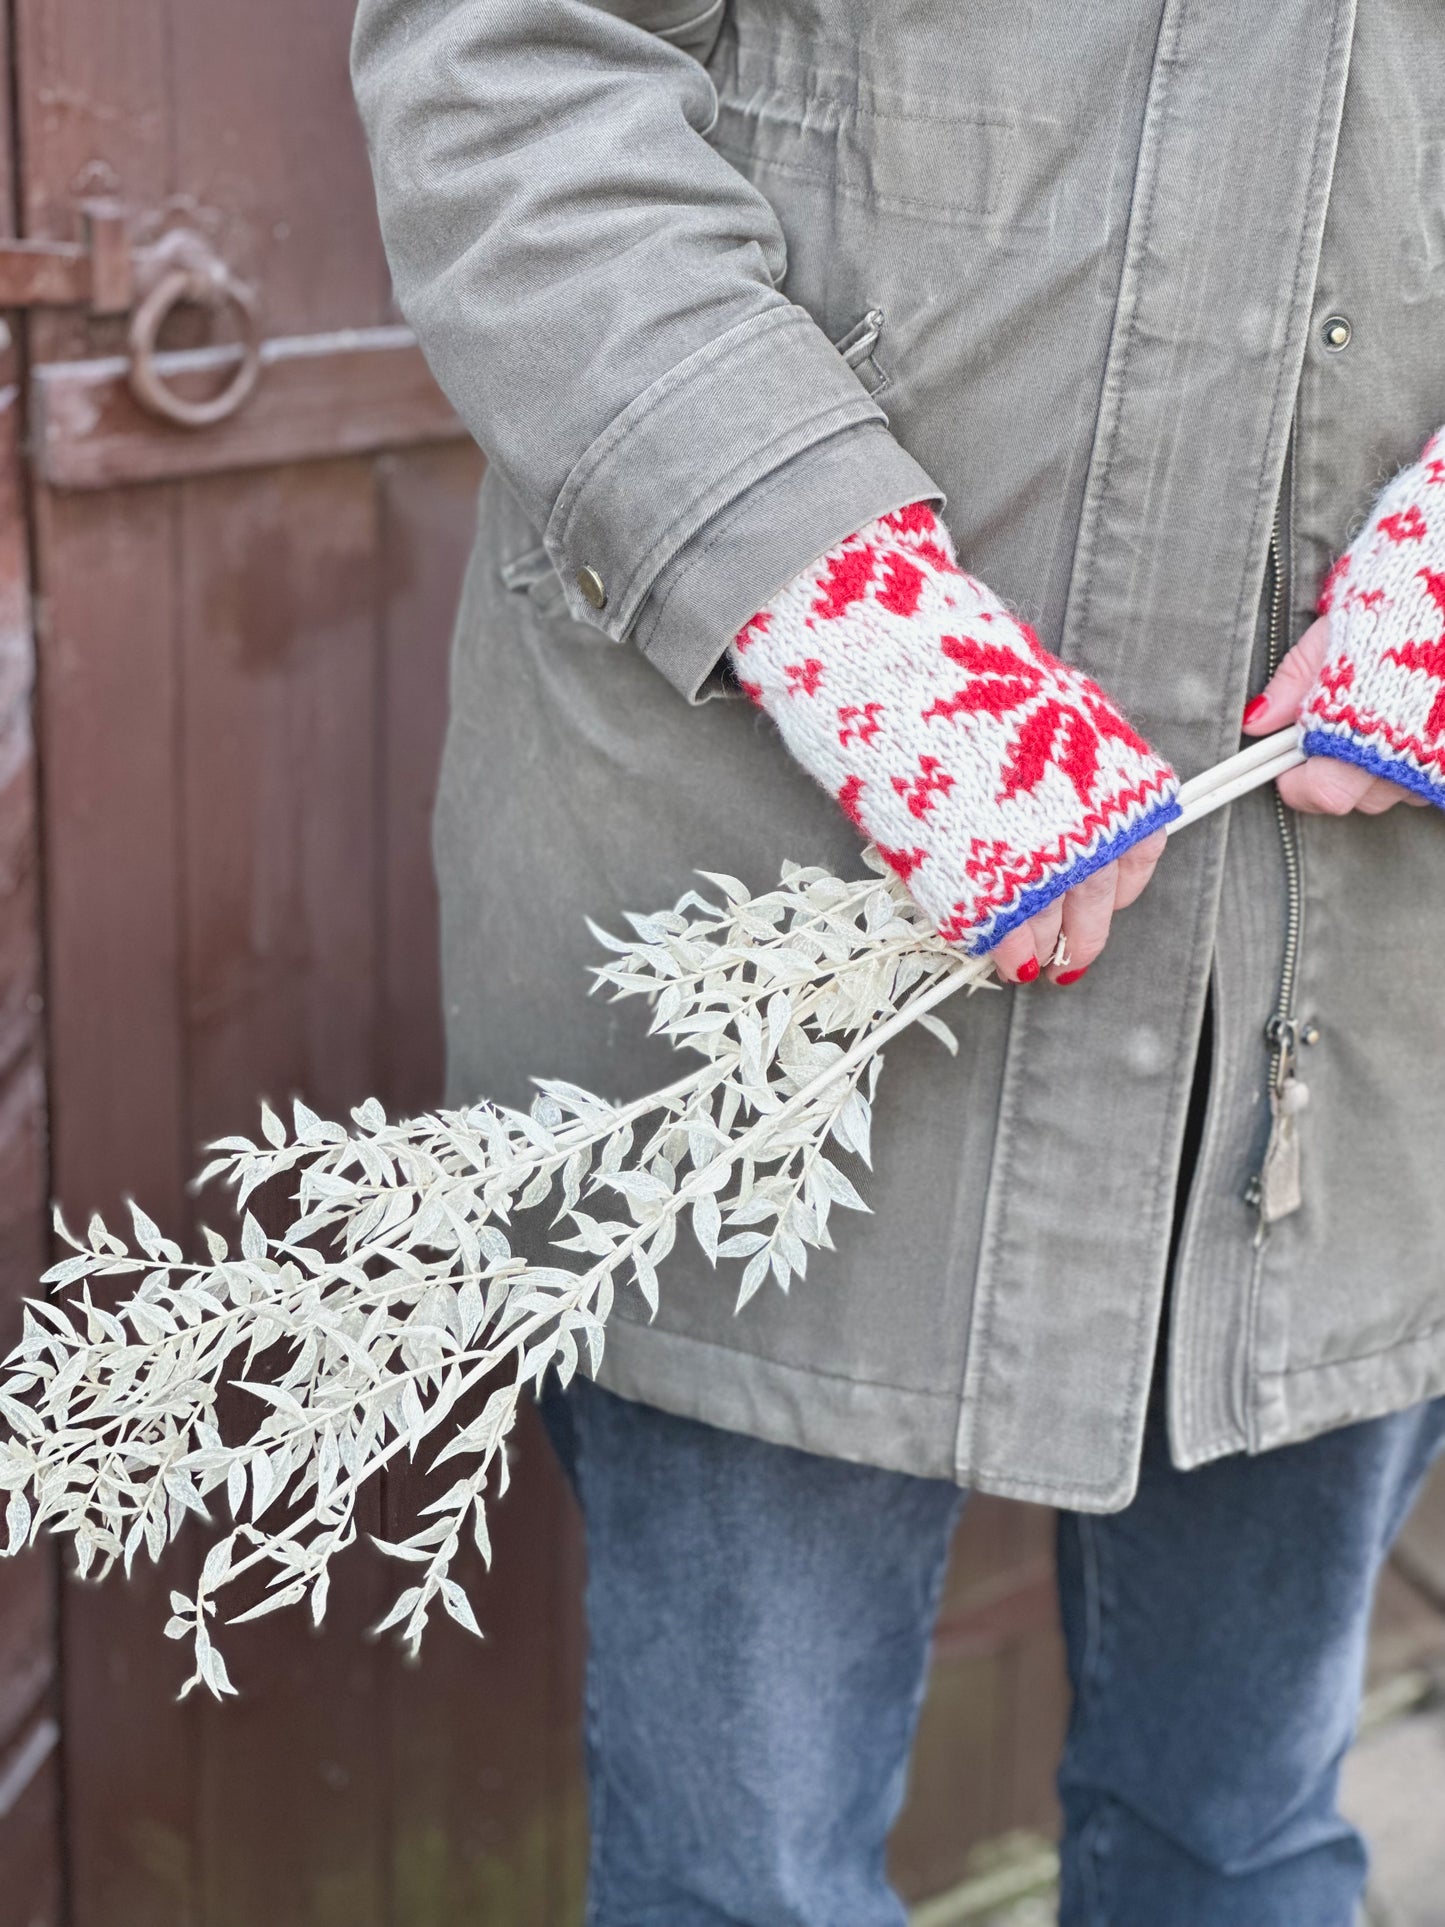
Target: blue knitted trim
[
  {"x": 1395, "y": 769},
  {"x": 1038, "y": 896}
]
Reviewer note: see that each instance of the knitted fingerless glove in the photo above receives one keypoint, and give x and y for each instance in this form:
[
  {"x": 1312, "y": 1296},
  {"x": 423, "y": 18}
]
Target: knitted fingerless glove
[
  {"x": 1379, "y": 700},
  {"x": 991, "y": 776}
]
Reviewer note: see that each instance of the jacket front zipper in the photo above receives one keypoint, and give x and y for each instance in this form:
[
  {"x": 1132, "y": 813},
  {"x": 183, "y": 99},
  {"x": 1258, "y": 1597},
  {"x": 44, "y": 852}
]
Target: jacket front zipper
[{"x": 1275, "y": 1191}]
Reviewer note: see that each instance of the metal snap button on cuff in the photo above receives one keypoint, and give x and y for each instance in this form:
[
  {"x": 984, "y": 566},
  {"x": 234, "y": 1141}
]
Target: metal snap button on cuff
[
  {"x": 592, "y": 587},
  {"x": 1337, "y": 331}
]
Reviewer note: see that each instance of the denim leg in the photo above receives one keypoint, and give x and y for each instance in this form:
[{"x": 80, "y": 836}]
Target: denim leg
[
  {"x": 1216, "y": 1634},
  {"x": 759, "y": 1623}
]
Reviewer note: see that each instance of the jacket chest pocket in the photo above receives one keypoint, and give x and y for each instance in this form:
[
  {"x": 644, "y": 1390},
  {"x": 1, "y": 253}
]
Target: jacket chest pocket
[{"x": 945, "y": 162}]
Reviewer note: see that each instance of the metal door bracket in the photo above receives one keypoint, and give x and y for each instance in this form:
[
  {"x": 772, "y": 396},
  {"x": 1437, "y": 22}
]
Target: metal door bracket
[
  {"x": 109, "y": 274},
  {"x": 97, "y": 273}
]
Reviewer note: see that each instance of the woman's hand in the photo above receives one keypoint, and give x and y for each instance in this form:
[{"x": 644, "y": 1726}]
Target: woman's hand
[
  {"x": 986, "y": 771},
  {"x": 1081, "y": 916},
  {"x": 1322, "y": 785}
]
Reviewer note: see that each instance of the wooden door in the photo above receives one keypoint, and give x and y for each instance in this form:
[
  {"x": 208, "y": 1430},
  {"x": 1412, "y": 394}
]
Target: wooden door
[{"x": 242, "y": 687}]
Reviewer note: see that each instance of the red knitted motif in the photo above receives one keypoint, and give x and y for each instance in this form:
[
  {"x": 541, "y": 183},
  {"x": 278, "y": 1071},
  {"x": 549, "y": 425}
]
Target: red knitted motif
[
  {"x": 989, "y": 774},
  {"x": 1379, "y": 699}
]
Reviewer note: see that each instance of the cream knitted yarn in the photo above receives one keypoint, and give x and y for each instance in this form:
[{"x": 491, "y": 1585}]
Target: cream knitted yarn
[
  {"x": 1379, "y": 700},
  {"x": 991, "y": 776}
]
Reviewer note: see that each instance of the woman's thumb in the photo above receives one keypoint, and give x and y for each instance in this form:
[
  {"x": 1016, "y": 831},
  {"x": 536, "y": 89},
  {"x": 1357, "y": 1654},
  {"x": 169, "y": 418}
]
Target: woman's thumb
[{"x": 1283, "y": 696}]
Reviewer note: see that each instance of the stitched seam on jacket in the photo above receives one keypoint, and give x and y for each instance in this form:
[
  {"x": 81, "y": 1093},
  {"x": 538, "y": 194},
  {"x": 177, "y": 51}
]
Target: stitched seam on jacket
[
  {"x": 942, "y": 214},
  {"x": 980, "y": 1336},
  {"x": 671, "y": 381},
  {"x": 1249, "y": 1414},
  {"x": 683, "y": 383},
  {"x": 698, "y": 547},
  {"x": 1401, "y": 1344},
  {"x": 798, "y": 1371},
  {"x": 703, "y": 16},
  {"x": 1165, "y": 61},
  {"x": 806, "y": 432}
]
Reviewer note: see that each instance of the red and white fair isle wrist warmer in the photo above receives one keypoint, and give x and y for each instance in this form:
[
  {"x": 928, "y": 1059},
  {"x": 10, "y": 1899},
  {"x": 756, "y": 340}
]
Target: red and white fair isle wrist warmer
[
  {"x": 991, "y": 776},
  {"x": 1379, "y": 700}
]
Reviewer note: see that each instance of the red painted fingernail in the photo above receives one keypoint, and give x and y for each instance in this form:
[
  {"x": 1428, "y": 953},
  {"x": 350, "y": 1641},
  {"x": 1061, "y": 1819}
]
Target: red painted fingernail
[
  {"x": 1071, "y": 976},
  {"x": 1252, "y": 709},
  {"x": 1028, "y": 971}
]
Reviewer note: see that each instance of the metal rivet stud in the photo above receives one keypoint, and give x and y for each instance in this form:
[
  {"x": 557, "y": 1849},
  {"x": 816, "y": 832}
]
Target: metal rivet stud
[
  {"x": 592, "y": 587},
  {"x": 1310, "y": 1034},
  {"x": 1337, "y": 332}
]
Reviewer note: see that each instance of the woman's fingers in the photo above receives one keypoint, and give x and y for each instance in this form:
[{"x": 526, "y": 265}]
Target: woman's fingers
[
  {"x": 1383, "y": 795},
  {"x": 1022, "y": 954},
  {"x": 1280, "y": 701},
  {"x": 1014, "y": 956},
  {"x": 1046, "y": 927},
  {"x": 1088, "y": 908},
  {"x": 1325, "y": 786},
  {"x": 1136, "y": 866},
  {"x": 1081, "y": 916}
]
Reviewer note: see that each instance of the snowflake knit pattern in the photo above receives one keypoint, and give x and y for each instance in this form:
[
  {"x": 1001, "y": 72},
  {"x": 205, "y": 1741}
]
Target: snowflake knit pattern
[
  {"x": 1379, "y": 700},
  {"x": 991, "y": 776}
]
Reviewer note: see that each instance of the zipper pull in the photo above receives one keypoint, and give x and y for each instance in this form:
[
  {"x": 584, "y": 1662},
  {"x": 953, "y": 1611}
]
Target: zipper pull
[{"x": 1276, "y": 1192}]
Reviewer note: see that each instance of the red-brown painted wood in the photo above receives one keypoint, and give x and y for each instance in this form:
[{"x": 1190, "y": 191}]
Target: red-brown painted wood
[
  {"x": 245, "y": 691},
  {"x": 30, "y": 1837},
  {"x": 357, "y": 392}
]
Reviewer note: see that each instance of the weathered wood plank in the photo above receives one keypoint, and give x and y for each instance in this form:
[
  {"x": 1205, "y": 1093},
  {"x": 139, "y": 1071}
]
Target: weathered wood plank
[
  {"x": 31, "y": 1893},
  {"x": 351, "y": 393},
  {"x": 30, "y": 1837},
  {"x": 30, "y": 1843},
  {"x": 111, "y": 710},
  {"x": 265, "y": 132},
  {"x": 279, "y": 784},
  {"x": 487, "y": 1796}
]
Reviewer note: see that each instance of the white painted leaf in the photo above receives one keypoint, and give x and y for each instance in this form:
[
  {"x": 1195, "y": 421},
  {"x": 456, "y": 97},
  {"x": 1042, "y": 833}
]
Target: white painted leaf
[
  {"x": 218, "y": 1561},
  {"x": 754, "y": 1272},
  {"x": 742, "y": 1246},
  {"x": 17, "y": 1521},
  {"x": 706, "y": 1224},
  {"x": 936, "y": 1027},
  {"x": 395, "y": 1288},
  {"x": 459, "y": 1606},
  {"x": 645, "y": 1272}
]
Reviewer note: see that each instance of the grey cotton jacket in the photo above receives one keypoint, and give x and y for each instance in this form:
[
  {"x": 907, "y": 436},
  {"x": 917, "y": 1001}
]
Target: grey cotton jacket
[{"x": 714, "y": 285}]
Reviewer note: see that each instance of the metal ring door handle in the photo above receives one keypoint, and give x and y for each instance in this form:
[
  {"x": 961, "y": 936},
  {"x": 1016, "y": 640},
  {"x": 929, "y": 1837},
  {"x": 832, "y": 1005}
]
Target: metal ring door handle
[{"x": 210, "y": 285}]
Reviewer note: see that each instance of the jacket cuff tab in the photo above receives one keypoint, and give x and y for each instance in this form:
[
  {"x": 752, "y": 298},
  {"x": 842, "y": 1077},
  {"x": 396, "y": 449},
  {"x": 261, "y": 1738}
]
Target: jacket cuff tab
[{"x": 695, "y": 440}]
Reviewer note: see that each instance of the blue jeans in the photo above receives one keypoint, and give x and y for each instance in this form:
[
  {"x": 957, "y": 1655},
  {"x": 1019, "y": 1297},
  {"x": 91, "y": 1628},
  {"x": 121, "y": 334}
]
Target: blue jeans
[{"x": 760, "y": 1622}]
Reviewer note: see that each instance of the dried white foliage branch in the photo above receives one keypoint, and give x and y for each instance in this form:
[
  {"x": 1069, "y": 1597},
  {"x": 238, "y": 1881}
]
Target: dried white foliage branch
[{"x": 400, "y": 1288}]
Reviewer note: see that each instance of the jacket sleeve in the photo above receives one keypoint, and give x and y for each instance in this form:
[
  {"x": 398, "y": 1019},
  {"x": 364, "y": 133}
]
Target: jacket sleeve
[{"x": 597, "y": 291}]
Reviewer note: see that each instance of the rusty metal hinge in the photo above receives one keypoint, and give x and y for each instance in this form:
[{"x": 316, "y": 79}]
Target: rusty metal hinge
[{"x": 97, "y": 273}]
